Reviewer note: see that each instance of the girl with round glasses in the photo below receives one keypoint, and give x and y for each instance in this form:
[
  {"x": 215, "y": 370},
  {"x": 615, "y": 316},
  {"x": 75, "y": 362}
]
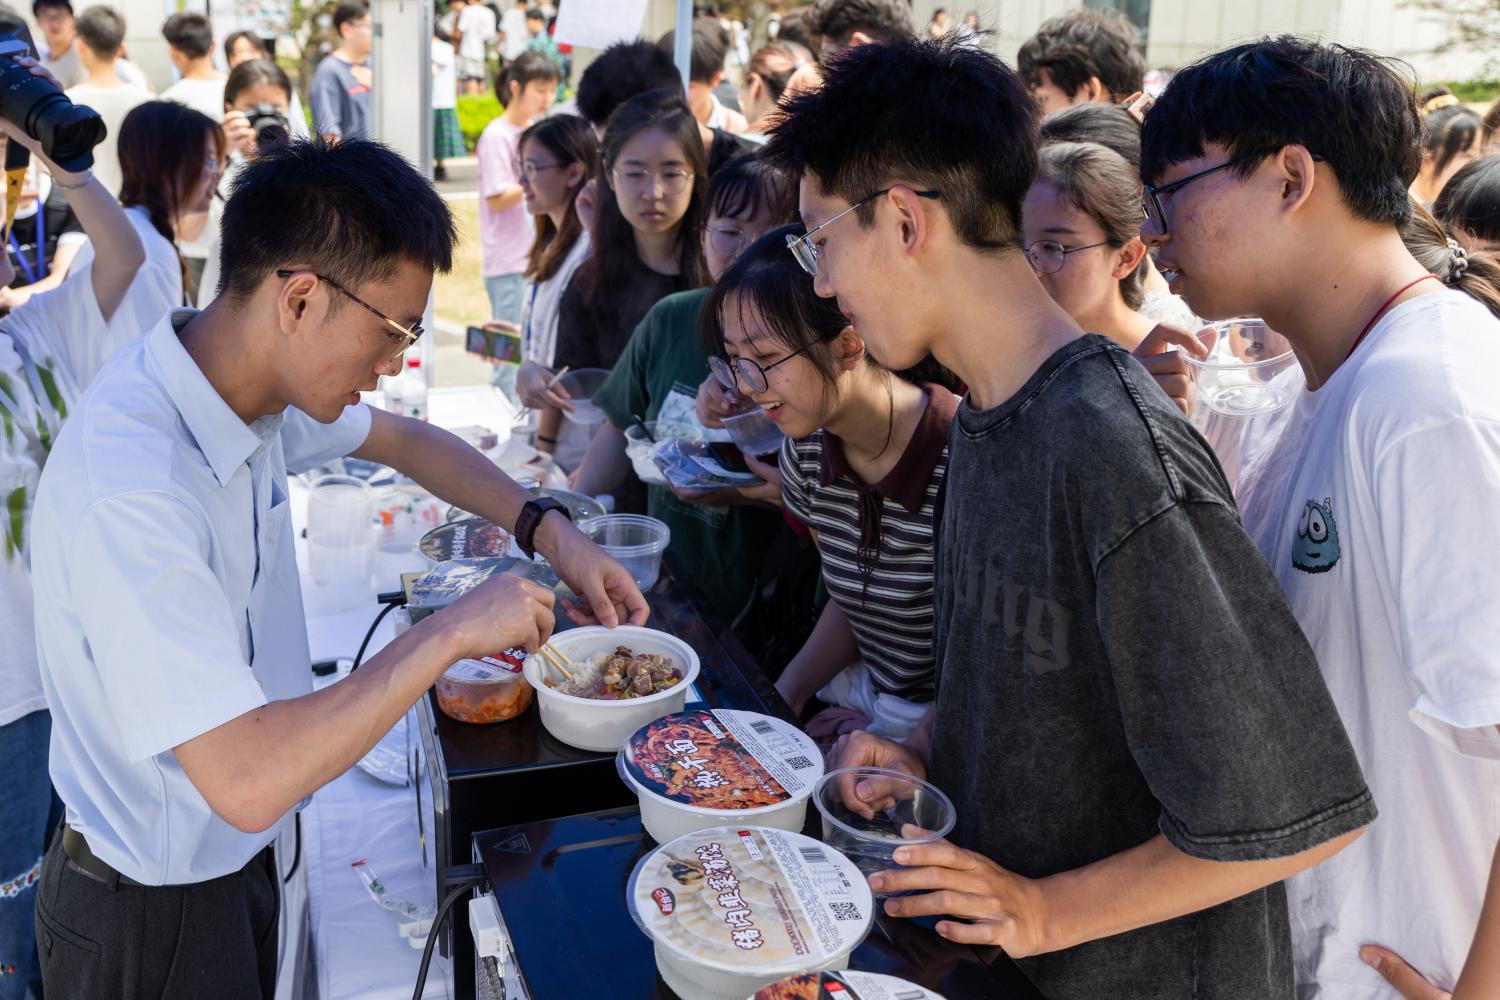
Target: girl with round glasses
[
  {"x": 1081, "y": 232},
  {"x": 720, "y": 537},
  {"x": 646, "y": 226},
  {"x": 864, "y": 461}
]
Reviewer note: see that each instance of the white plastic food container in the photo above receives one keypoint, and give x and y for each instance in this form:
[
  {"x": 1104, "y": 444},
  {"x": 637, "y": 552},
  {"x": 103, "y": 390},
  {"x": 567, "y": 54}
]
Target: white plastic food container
[
  {"x": 700, "y": 769},
  {"x": 597, "y": 724},
  {"x": 732, "y": 909},
  {"x": 844, "y": 985}
]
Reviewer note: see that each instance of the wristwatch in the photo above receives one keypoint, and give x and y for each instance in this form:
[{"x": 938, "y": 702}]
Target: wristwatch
[{"x": 531, "y": 516}]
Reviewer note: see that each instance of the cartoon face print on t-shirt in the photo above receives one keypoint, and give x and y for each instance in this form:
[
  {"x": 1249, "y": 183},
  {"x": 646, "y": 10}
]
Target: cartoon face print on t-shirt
[{"x": 1316, "y": 547}]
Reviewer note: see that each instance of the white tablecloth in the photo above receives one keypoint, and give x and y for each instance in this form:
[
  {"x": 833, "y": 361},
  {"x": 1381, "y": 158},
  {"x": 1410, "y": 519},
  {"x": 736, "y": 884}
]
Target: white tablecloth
[{"x": 356, "y": 948}]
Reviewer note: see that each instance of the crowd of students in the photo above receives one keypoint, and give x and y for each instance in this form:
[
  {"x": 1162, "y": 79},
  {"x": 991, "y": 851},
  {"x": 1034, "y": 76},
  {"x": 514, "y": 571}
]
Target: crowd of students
[{"x": 1217, "y": 701}]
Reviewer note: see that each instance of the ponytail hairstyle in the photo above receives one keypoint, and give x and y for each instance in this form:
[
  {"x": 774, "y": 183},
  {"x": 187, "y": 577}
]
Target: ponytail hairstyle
[
  {"x": 1469, "y": 205},
  {"x": 569, "y": 139},
  {"x": 775, "y": 63},
  {"x": 605, "y": 274},
  {"x": 1476, "y": 273},
  {"x": 766, "y": 282},
  {"x": 528, "y": 67},
  {"x": 1447, "y": 132},
  {"x": 161, "y": 161},
  {"x": 1101, "y": 184}
]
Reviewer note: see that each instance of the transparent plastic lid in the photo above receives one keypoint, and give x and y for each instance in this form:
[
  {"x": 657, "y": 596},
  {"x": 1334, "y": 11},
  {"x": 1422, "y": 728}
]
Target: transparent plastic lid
[
  {"x": 844, "y": 985},
  {"x": 471, "y": 538},
  {"x": 721, "y": 761},
  {"x": 750, "y": 900}
]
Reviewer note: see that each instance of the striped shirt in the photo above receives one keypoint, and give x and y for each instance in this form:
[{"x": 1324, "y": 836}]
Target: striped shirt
[{"x": 890, "y": 607}]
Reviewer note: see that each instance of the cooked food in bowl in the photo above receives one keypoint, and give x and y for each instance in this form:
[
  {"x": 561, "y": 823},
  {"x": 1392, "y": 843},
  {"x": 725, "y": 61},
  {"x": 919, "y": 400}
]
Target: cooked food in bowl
[{"x": 619, "y": 675}]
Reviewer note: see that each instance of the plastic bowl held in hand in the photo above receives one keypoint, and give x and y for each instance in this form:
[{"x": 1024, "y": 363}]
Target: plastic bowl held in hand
[
  {"x": 581, "y": 384},
  {"x": 598, "y": 724},
  {"x": 1239, "y": 375},
  {"x": 484, "y": 690},
  {"x": 633, "y": 540},
  {"x": 754, "y": 432},
  {"x": 917, "y": 814},
  {"x": 638, "y": 448}
]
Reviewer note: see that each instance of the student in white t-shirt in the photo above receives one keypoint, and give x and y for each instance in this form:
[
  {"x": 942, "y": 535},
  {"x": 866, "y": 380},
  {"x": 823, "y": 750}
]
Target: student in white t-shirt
[
  {"x": 476, "y": 30},
  {"x": 50, "y": 349},
  {"x": 1373, "y": 493},
  {"x": 101, "y": 39}
]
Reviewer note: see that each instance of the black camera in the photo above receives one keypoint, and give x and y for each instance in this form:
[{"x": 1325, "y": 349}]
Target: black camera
[
  {"x": 270, "y": 125},
  {"x": 68, "y": 132}
]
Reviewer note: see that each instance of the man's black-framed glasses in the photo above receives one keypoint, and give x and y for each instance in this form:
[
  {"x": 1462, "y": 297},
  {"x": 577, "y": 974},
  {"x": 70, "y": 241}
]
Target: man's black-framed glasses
[
  {"x": 408, "y": 336},
  {"x": 1151, "y": 206},
  {"x": 802, "y": 246},
  {"x": 752, "y": 374}
]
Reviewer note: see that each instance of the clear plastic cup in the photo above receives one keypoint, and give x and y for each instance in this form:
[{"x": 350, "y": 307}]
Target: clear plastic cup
[
  {"x": 1238, "y": 377},
  {"x": 581, "y": 384},
  {"x": 638, "y": 448},
  {"x": 754, "y": 432},
  {"x": 919, "y": 814},
  {"x": 341, "y": 537},
  {"x": 634, "y": 540}
]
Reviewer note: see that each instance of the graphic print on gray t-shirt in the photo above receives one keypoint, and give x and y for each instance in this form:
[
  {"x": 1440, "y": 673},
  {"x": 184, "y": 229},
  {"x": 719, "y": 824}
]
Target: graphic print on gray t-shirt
[{"x": 1115, "y": 660}]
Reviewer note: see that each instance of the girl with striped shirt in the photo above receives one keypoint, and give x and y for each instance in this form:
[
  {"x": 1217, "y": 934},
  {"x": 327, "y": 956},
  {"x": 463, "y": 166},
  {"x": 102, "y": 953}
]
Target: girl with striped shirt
[{"x": 861, "y": 468}]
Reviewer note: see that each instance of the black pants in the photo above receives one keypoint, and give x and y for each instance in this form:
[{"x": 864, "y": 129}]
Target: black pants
[{"x": 108, "y": 940}]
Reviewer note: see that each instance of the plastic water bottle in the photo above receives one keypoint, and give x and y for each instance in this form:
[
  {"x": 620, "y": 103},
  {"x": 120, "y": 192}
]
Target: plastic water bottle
[{"x": 414, "y": 391}]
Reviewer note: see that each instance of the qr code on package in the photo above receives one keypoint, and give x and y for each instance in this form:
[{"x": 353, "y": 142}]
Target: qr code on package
[
  {"x": 799, "y": 763},
  {"x": 844, "y": 911}
]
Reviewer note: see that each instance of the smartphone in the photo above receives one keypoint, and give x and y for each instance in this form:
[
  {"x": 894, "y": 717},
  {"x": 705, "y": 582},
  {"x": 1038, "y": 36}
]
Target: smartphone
[
  {"x": 729, "y": 456},
  {"x": 501, "y": 345}
]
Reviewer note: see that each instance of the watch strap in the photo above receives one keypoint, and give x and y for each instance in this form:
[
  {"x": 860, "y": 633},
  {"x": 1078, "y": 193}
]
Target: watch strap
[{"x": 531, "y": 517}]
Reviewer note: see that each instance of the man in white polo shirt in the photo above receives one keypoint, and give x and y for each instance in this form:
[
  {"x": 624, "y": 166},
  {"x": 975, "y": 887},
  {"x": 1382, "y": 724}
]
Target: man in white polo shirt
[{"x": 171, "y": 637}]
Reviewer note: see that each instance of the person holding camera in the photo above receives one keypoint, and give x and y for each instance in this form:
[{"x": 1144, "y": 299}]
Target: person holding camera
[
  {"x": 101, "y": 42},
  {"x": 257, "y": 109},
  {"x": 51, "y": 347}
]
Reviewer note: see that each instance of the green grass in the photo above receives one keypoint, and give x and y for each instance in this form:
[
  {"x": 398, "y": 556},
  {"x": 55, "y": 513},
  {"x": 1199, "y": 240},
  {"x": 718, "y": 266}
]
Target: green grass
[
  {"x": 1475, "y": 91},
  {"x": 475, "y": 111}
]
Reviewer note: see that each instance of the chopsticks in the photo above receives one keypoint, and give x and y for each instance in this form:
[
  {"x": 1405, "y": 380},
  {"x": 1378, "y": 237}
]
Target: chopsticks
[
  {"x": 556, "y": 658},
  {"x": 644, "y": 429},
  {"x": 560, "y": 373}
]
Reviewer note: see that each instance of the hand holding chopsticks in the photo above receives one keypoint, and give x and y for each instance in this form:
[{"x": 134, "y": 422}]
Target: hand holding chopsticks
[{"x": 557, "y": 659}]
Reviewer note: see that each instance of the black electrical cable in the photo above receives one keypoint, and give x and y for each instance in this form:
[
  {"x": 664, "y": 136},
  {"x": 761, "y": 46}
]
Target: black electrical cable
[
  {"x": 360, "y": 656},
  {"x": 297, "y": 851},
  {"x": 465, "y": 877}
]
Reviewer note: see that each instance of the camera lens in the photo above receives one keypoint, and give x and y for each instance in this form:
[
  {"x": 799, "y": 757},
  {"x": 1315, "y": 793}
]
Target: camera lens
[{"x": 68, "y": 132}]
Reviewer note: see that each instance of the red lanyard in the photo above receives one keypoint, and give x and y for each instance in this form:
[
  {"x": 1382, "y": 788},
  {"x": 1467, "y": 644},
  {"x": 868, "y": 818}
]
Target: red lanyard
[{"x": 1381, "y": 312}]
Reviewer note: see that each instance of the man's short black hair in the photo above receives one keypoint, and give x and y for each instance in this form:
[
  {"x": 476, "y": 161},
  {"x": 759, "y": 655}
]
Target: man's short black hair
[
  {"x": 622, "y": 71},
  {"x": 1080, "y": 44},
  {"x": 347, "y": 11},
  {"x": 709, "y": 49},
  {"x": 1349, "y": 107},
  {"x": 38, "y": 5},
  {"x": 535, "y": 14},
  {"x": 353, "y": 211},
  {"x": 189, "y": 33},
  {"x": 934, "y": 114},
  {"x": 102, "y": 30},
  {"x": 882, "y": 20},
  {"x": 1109, "y": 125}
]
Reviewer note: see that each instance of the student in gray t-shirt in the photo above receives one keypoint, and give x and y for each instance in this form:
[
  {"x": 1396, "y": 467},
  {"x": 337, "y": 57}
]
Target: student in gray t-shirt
[
  {"x": 340, "y": 92},
  {"x": 1129, "y": 722}
]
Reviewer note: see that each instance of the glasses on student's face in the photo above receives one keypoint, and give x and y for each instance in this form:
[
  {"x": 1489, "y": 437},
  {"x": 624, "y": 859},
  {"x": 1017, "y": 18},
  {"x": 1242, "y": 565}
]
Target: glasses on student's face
[
  {"x": 529, "y": 170},
  {"x": 1049, "y": 256},
  {"x": 728, "y": 241},
  {"x": 806, "y": 251},
  {"x": 746, "y": 371},
  {"x": 1155, "y": 212},
  {"x": 638, "y": 180},
  {"x": 406, "y": 337}
]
